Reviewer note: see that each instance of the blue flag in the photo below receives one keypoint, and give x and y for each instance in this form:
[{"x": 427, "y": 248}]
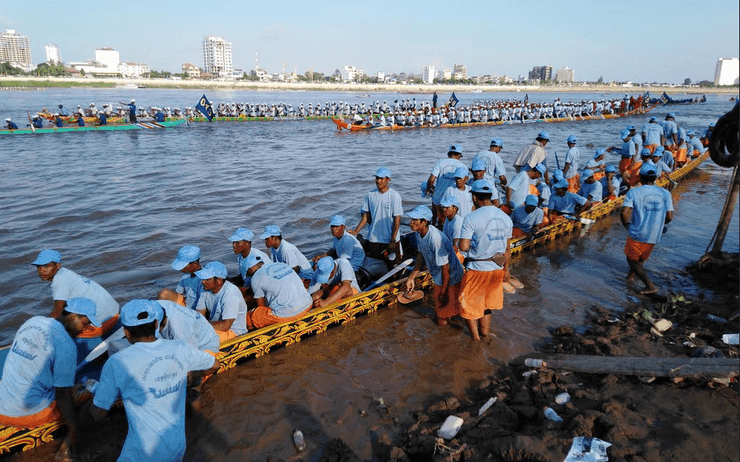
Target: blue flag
[
  {"x": 453, "y": 100},
  {"x": 205, "y": 107}
]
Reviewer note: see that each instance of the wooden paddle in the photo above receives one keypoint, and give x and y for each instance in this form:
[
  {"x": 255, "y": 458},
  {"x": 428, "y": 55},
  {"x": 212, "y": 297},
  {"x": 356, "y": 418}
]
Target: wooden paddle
[
  {"x": 390, "y": 273},
  {"x": 103, "y": 347}
]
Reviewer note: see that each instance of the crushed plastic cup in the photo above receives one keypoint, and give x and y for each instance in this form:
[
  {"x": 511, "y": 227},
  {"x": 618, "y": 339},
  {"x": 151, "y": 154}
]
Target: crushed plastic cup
[
  {"x": 450, "y": 427},
  {"x": 731, "y": 339},
  {"x": 562, "y": 398}
]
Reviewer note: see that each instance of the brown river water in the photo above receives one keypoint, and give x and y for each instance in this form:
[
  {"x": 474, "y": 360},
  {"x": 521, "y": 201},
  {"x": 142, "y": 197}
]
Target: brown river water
[{"x": 119, "y": 204}]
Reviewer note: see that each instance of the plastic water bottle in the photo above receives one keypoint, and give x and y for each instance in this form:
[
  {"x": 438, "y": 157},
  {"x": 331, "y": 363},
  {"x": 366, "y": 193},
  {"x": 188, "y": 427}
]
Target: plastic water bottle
[
  {"x": 529, "y": 362},
  {"x": 298, "y": 440},
  {"x": 714, "y": 318},
  {"x": 91, "y": 385},
  {"x": 552, "y": 415},
  {"x": 730, "y": 339},
  {"x": 562, "y": 398}
]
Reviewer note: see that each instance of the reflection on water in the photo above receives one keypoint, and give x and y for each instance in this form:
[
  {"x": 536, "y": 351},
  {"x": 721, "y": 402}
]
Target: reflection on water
[{"x": 119, "y": 204}]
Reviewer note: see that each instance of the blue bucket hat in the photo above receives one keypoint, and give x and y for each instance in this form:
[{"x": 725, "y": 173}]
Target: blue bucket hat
[
  {"x": 242, "y": 234},
  {"x": 337, "y": 220},
  {"x": 131, "y": 312},
  {"x": 420, "y": 212},
  {"x": 47, "y": 256},
  {"x": 214, "y": 269},
  {"x": 383, "y": 172},
  {"x": 85, "y": 307},
  {"x": 186, "y": 255},
  {"x": 271, "y": 230}
]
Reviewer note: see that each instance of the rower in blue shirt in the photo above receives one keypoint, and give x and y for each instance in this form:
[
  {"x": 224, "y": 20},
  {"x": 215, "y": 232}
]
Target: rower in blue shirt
[
  {"x": 62, "y": 112},
  {"x": 11, "y": 124},
  {"x": 80, "y": 121},
  {"x": 159, "y": 116},
  {"x": 131, "y": 111},
  {"x": 58, "y": 122},
  {"x": 36, "y": 122},
  {"x": 102, "y": 118}
]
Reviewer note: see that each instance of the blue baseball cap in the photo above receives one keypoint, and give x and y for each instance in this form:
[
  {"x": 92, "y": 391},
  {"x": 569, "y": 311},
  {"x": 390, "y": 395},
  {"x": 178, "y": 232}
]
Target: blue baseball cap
[
  {"x": 47, "y": 256},
  {"x": 572, "y": 139},
  {"x": 544, "y": 135},
  {"x": 214, "y": 269},
  {"x": 631, "y": 127},
  {"x": 660, "y": 149},
  {"x": 540, "y": 168},
  {"x": 561, "y": 184},
  {"x": 588, "y": 173},
  {"x": 672, "y": 115},
  {"x": 85, "y": 307},
  {"x": 456, "y": 148},
  {"x": 652, "y": 119},
  {"x": 420, "y": 212},
  {"x": 383, "y": 172},
  {"x": 271, "y": 230},
  {"x": 138, "y": 312},
  {"x": 304, "y": 273},
  {"x": 242, "y": 234},
  {"x": 624, "y": 133},
  {"x": 482, "y": 186},
  {"x": 448, "y": 201},
  {"x": 324, "y": 267},
  {"x": 251, "y": 260},
  {"x": 497, "y": 142},
  {"x": 599, "y": 152},
  {"x": 558, "y": 175},
  {"x": 646, "y": 152},
  {"x": 648, "y": 170},
  {"x": 337, "y": 220},
  {"x": 478, "y": 165},
  {"x": 531, "y": 199},
  {"x": 689, "y": 132},
  {"x": 611, "y": 169},
  {"x": 186, "y": 255},
  {"x": 461, "y": 172}
]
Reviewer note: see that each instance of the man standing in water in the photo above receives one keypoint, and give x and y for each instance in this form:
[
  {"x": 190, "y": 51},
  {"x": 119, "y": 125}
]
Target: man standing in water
[
  {"x": 485, "y": 235},
  {"x": 646, "y": 210}
]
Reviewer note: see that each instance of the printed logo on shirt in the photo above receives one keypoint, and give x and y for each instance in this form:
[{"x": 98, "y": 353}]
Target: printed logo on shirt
[
  {"x": 653, "y": 203},
  {"x": 164, "y": 392},
  {"x": 22, "y": 353}
]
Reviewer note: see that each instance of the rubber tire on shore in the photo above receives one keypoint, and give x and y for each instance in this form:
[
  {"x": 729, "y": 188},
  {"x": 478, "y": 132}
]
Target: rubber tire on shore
[{"x": 723, "y": 144}]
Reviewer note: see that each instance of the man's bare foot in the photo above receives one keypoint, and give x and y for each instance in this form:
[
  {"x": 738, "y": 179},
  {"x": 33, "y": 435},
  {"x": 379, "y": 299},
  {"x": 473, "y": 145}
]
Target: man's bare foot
[{"x": 649, "y": 291}]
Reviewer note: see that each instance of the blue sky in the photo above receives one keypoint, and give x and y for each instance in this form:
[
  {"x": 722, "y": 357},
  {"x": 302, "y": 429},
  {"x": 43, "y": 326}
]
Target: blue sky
[{"x": 648, "y": 40}]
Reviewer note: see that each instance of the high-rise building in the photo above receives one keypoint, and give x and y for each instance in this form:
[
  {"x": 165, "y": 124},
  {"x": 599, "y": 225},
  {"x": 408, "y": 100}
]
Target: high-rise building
[
  {"x": 727, "y": 71},
  {"x": 541, "y": 73},
  {"x": 459, "y": 72},
  {"x": 53, "y": 54},
  {"x": 427, "y": 74},
  {"x": 217, "y": 58},
  {"x": 444, "y": 74},
  {"x": 351, "y": 73},
  {"x": 565, "y": 74},
  {"x": 107, "y": 57},
  {"x": 15, "y": 49}
]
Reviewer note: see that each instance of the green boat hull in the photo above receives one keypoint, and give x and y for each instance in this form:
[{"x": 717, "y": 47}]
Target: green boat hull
[{"x": 136, "y": 126}]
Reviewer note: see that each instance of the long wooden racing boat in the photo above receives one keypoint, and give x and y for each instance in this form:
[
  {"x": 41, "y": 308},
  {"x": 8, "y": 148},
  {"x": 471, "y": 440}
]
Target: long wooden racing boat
[
  {"x": 250, "y": 119},
  {"x": 111, "y": 127},
  {"x": 73, "y": 119},
  {"x": 343, "y": 125},
  {"x": 260, "y": 342}
]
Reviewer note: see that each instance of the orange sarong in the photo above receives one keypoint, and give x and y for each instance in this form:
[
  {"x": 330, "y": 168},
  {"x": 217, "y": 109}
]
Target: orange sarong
[
  {"x": 516, "y": 232},
  {"x": 262, "y": 316},
  {"x": 574, "y": 184},
  {"x": 624, "y": 165},
  {"x": 50, "y": 414},
  {"x": 452, "y": 308},
  {"x": 481, "y": 291},
  {"x": 90, "y": 331},
  {"x": 637, "y": 251}
]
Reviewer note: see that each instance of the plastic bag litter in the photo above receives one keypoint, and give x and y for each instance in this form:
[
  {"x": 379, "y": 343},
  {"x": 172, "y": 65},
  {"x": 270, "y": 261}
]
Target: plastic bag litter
[{"x": 587, "y": 449}]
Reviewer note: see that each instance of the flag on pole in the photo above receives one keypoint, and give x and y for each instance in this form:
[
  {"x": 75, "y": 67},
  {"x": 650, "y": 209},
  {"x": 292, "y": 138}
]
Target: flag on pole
[
  {"x": 453, "y": 100},
  {"x": 526, "y": 98},
  {"x": 205, "y": 107}
]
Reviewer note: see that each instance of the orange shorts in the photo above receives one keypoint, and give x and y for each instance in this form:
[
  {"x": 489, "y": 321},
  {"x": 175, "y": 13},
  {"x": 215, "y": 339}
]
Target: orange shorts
[
  {"x": 481, "y": 291},
  {"x": 90, "y": 331},
  {"x": 545, "y": 217},
  {"x": 681, "y": 155},
  {"x": 262, "y": 316},
  {"x": 225, "y": 335},
  {"x": 460, "y": 256},
  {"x": 599, "y": 175},
  {"x": 574, "y": 184},
  {"x": 506, "y": 209},
  {"x": 516, "y": 232},
  {"x": 696, "y": 153},
  {"x": 637, "y": 251},
  {"x": 634, "y": 173},
  {"x": 611, "y": 197},
  {"x": 50, "y": 414},
  {"x": 452, "y": 308},
  {"x": 624, "y": 165},
  {"x": 650, "y": 147}
]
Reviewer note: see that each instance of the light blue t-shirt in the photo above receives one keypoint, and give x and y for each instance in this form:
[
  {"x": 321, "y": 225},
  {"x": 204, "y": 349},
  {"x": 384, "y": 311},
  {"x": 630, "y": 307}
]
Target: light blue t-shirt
[
  {"x": 67, "y": 285},
  {"x": 252, "y": 251},
  {"x": 594, "y": 191},
  {"x": 191, "y": 286},
  {"x": 669, "y": 129},
  {"x": 437, "y": 250},
  {"x": 519, "y": 189},
  {"x": 605, "y": 188},
  {"x": 229, "y": 303},
  {"x": 572, "y": 157},
  {"x": 444, "y": 170},
  {"x": 545, "y": 193},
  {"x": 289, "y": 254},
  {"x": 652, "y": 132},
  {"x": 344, "y": 272},
  {"x": 637, "y": 140},
  {"x": 43, "y": 357},
  {"x": 628, "y": 150},
  {"x": 151, "y": 379},
  {"x": 649, "y": 205},
  {"x": 566, "y": 204},
  {"x": 465, "y": 198},
  {"x": 383, "y": 208},
  {"x": 453, "y": 228},
  {"x": 527, "y": 221},
  {"x": 282, "y": 289},
  {"x": 494, "y": 165},
  {"x": 695, "y": 144},
  {"x": 349, "y": 247},
  {"x": 189, "y": 325},
  {"x": 489, "y": 230}
]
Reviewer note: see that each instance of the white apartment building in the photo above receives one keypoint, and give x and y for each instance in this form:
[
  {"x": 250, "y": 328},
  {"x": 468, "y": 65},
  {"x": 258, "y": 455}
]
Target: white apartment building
[
  {"x": 15, "y": 49},
  {"x": 53, "y": 54},
  {"x": 427, "y": 74},
  {"x": 727, "y": 71},
  {"x": 217, "y": 57},
  {"x": 445, "y": 74},
  {"x": 133, "y": 70},
  {"x": 459, "y": 72},
  {"x": 107, "y": 57},
  {"x": 565, "y": 74},
  {"x": 351, "y": 73}
]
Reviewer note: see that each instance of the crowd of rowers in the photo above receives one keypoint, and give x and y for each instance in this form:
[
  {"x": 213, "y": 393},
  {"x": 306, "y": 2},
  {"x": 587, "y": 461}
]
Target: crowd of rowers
[
  {"x": 404, "y": 112},
  {"x": 464, "y": 241}
]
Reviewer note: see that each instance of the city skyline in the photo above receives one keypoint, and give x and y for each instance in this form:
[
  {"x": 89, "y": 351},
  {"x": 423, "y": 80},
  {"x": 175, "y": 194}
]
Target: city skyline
[{"x": 620, "y": 41}]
